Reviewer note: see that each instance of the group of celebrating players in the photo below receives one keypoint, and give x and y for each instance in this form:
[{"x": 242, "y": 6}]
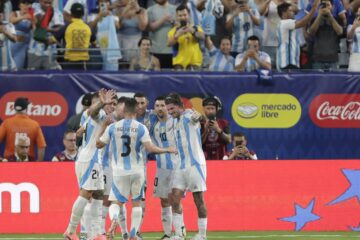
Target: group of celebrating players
[{"x": 118, "y": 134}]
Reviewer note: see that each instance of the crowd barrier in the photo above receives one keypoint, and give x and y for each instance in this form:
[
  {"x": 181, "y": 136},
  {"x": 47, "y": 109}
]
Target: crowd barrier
[
  {"x": 293, "y": 116},
  {"x": 242, "y": 195}
]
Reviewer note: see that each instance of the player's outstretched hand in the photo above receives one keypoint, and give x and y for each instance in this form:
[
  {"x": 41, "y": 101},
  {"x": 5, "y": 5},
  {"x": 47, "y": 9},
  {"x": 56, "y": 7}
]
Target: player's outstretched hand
[{"x": 172, "y": 149}]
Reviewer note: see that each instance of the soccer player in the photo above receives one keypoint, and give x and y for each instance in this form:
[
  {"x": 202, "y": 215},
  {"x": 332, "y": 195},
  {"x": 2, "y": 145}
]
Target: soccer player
[
  {"x": 126, "y": 137},
  {"x": 192, "y": 173},
  {"x": 163, "y": 136},
  {"x": 88, "y": 170}
]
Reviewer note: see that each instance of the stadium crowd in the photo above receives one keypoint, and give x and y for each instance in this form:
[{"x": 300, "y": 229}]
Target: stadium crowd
[{"x": 214, "y": 35}]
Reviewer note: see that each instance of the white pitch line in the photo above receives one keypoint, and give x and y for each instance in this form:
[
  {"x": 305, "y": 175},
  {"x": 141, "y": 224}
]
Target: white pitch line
[{"x": 222, "y": 237}]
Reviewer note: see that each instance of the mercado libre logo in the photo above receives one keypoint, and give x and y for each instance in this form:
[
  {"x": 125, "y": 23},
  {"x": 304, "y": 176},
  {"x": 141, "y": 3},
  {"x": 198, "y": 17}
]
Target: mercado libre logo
[
  {"x": 47, "y": 108},
  {"x": 336, "y": 110},
  {"x": 266, "y": 110}
]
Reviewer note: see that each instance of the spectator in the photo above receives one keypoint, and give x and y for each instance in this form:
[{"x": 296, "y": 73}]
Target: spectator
[
  {"x": 21, "y": 154},
  {"x": 240, "y": 150},
  {"x": 184, "y": 38},
  {"x": 338, "y": 11},
  {"x": 220, "y": 59},
  {"x": 42, "y": 46},
  {"x": 23, "y": 20},
  {"x": 78, "y": 37},
  {"x": 354, "y": 37},
  {"x": 105, "y": 25},
  {"x": 288, "y": 52},
  {"x": 253, "y": 58},
  {"x": 133, "y": 20},
  {"x": 21, "y": 124},
  {"x": 215, "y": 132},
  {"x": 268, "y": 9},
  {"x": 242, "y": 21},
  {"x": 7, "y": 34},
  {"x": 74, "y": 121},
  {"x": 67, "y": 10},
  {"x": 161, "y": 20},
  {"x": 70, "y": 152},
  {"x": 145, "y": 61},
  {"x": 325, "y": 31}
]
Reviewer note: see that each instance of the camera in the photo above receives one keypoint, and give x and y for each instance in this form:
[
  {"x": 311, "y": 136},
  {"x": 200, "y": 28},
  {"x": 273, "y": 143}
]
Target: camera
[
  {"x": 183, "y": 23},
  {"x": 323, "y": 4},
  {"x": 103, "y": 7},
  {"x": 212, "y": 118},
  {"x": 239, "y": 143}
]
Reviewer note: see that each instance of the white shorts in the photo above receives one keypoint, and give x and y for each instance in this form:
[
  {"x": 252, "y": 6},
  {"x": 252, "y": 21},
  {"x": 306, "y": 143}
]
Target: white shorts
[
  {"x": 162, "y": 182},
  {"x": 89, "y": 176},
  {"x": 192, "y": 179},
  {"x": 124, "y": 186},
  {"x": 108, "y": 179}
]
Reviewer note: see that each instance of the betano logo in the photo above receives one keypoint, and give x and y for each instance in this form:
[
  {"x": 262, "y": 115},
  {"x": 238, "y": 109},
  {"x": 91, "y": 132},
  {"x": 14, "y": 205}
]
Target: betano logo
[
  {"x": 48, "y": 108},
  {"x": 266, "y": 110},
  {"x": 15, "y": 191}
]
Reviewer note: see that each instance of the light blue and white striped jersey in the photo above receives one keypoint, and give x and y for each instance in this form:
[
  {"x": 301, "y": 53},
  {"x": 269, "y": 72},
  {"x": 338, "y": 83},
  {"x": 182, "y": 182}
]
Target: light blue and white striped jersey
[
  {"x": 243, "y": 27},
  {"x": 6, "y": 60},
  {"x": 126, "y": 137},
  {"x": 271, "y": 21},
  {"x": 220, "y": 62},
  {"x": 251, "y": 64},
  {"x": 162, "y": 133},
  {"x": 188, "y": 140},
  {"x": 38, "y": 48},
  {"x": 88, "y": 151},
  {"x": 288, "y": 51},
  {"x": 355, "y": 45}
]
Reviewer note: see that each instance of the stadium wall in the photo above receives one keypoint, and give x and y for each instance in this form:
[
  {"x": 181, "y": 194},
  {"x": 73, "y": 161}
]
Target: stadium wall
[
  {"x": 291, "y": 116},
  {"x": 242, "y": 195}
]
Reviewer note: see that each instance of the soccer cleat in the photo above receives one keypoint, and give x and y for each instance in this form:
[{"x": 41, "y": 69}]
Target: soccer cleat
[
  {"x": 111, "y": 232},
  {"x": 125, "y": 236},
  {"x": 68, "y": 236},
  {"x": 139, "y": 236},
  {"x": 198, "y": 237},
  {"x": 183, "y": 231},
  {"x": 165, "y": 237},
  {"x": 176, "y": 238}
]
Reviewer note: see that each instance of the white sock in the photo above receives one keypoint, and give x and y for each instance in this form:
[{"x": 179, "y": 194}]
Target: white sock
[
  {"x": 123, "y": 219},
  {"x": 96, "y": 216},
  {"x": 85, "y": 222},
  {"x": 166, "y": 219},
  {"x": 202, "y": 225},
  {"x": 105, "y": 211},
  {"x": 114, "y": 210},
  {"x": 143, "y": 214},
  {"x": 177, "y": 224},
  {"x": 76, "y": 214},
  {"x": 135, "y": 220}
]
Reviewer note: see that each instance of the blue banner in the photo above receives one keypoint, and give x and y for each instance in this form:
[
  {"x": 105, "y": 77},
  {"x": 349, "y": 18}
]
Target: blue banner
[{"x": 291, "y": 116}]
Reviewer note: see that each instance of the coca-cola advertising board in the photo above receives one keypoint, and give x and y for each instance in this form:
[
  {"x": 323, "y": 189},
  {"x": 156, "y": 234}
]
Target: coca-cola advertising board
[{"x": 336, "y": 110}]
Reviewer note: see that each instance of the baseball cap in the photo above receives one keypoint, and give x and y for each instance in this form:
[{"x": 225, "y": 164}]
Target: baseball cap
[
  {"x": 21, "y": 103},
  {"x": 86, "y": 100},
  {"x": 77, "y": 10}
]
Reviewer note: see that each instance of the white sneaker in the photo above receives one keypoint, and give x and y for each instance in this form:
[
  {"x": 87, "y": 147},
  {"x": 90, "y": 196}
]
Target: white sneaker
[
  {"x": 183, "y": 231},
  {"x": 198, "y": 237},
  {"x": 176, "y": 238}
]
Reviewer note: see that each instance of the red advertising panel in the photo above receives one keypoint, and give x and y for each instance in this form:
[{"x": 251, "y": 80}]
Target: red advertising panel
[
  {"x": 317, "y": 195},
  {"x": 47, "y": 108},
  {"x": 336, "y": 110}
]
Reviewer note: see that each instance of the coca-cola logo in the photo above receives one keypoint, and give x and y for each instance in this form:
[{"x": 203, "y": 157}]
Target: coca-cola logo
[
  {"x": 47, "y": 108},
  {"x": 336, "y": 110}
]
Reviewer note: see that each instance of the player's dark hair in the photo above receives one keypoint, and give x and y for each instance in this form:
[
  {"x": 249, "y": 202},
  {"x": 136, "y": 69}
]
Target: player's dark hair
[
  {"x": 160, "y": 98},
  {"x": 238, "y": 134},
  {"x": 182, "y": 7},
  {"x": 283, "y": 8},
  {"x": 144, "y": 38},
  {"x": 130, "y": 105},
  {"x": 67, "y": 132},
  {"x": 122, "y": 99},
  {"x": 139, "y": 95},
  {"x": 174, "y": 98}
]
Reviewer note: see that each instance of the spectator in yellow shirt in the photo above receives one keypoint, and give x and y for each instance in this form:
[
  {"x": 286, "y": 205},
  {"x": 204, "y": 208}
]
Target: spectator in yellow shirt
[{"x": 184, "y": 40}]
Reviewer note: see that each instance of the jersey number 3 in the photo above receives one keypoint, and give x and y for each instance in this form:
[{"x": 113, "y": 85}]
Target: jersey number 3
[{"x": 127, "y": 141}]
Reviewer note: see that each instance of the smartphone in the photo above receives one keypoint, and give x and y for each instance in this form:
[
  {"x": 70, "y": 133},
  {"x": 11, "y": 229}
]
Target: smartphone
[
  {"x": 238, "y": 143},
  {"x": 103, "y": 7},
  {"x": 323, "y": 4},
  {"x": 212, "y": 118},
  {"x": 183, "y": 23}
]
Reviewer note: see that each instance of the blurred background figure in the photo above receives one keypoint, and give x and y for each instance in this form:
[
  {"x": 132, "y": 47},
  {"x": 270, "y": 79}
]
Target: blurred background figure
[
  {"x": 21, "y": 154},
  {"x": 240, "y": 150},
  {"x": 145, "y": 61},
  {"x": 70, "y": 152}
]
